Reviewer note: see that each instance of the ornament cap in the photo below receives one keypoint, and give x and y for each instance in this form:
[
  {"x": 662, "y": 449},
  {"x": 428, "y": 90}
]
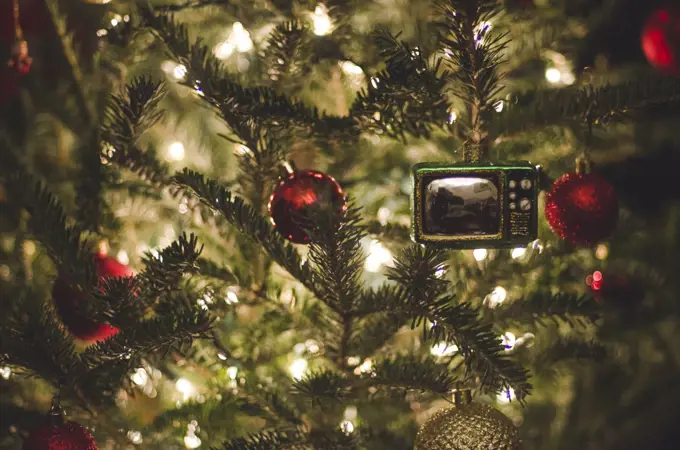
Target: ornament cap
[
  {"x": 56, "y": 412},
  {"x": 583, "y": 164},
  {"x": 287, "y": 168},
  {"x": 462, "y": 396}
]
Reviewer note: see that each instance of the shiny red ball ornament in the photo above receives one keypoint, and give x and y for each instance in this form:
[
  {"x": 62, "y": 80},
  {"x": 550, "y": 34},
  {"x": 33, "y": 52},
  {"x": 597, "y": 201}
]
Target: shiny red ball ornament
[
  {"x": 296, "y": 195},
  {"x": 66, "y": 297},
  {"x": 661, "y": 39},
  {"x": 582, "y": 208},
  {"x": 66, "y": 436},
  {"x": 20, "y": 61}
]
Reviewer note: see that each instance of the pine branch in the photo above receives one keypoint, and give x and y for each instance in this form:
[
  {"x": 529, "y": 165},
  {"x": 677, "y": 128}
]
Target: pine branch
[
  {"x": 373, "y": 332},
  {"x": 475, "y": 51},
  {"x": 248, "y": 221},
  {"x": 207, "y": 76},
  {"x": 164, "y": 272},
  {"x": 127, "y": 117},
  {"x": 416, "y": 270},
  {"x": 602, "y": 104},
  {"x": 270, "y": 440},
  {"x": 322, "y": 385},
  {"x": 389, "y": 232},
  {"x": 211, "y": 269},
  {"x": 33, "y": 339},
  {"x": 64, "y": 244},
  {"x": 336, "y": 258},
  {"x": 406, "y": 98},
  {"x": 410, "y": 373},
  {"x": 542, "y": 308},
  {"x": 569, "y": 349},
  {"x": 285, "y": 54}
]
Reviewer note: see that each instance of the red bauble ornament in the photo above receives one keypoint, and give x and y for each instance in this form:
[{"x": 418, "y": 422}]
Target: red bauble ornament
[
  {"x": 582, "y": 208},
  {"x": 66, "y": 297},
  {"x": 20, "y": 61},
  {"x": 296, "y": 194},
  {"x": 67, "y": 436},
  {"x": 661, "y": 39}
]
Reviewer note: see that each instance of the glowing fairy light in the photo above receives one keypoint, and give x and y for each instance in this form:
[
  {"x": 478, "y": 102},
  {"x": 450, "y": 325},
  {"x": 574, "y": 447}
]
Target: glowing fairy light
[
  {"x": 350, "y": 68},
  {"x": 375, "y": 81},
  {"x": 481, "y": 31},
  {"x": 498, "y": 106},
  {"x": 135, "y": 437},
  {"x": 239, "y": 40},
  {"x": 353, "y": 361},
  {"x": 480, "y": 254},
  {"x": 440, "y": 272},
  {"x": 378, "y": 256},
  {"x": 5, "y": 372},
  {"x": 175, "y": 151},
  {"x": 222, "y": 356},
  {"x": 179, "y": 72},
  {"x": 496, "y": 297},
  {"x": 232, "y": 298},
  {"x": 365, "y": 367},
  {"x": 102, "y": 32},
  {"x": 123, "y": 257},
  {"x": 312, "y": 346},
  {"x": 508, "y": 340},
  {"x": 183, "y": 208},
  {"x": 321, "y": 22},
  {"x": 453, "y": 116},
  {"x": 443, "y": 349},
  {"x": 298, "y": 368},
  {"x": 602, "y": 252},
  {"x": 140, "y": 377},
  {"x": 506, "y": 396},
  {"x": 553, "y": 75},
  {"x": 116, "y": 20},
  {"x": 518, "y": 252},
  {"x": 241, "y": 150},
  {"x": 384, "y": 215},
  {"x": 186, "y": 388},
  {"x": 347, "y": 427},
  {"x": 232, "y": 372},
  {"x": 192, "y": 441}
]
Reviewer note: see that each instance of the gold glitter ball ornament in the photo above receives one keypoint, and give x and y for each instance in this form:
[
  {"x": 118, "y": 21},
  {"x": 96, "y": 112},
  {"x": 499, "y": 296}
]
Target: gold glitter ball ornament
[{"x": 473, "y": 426}]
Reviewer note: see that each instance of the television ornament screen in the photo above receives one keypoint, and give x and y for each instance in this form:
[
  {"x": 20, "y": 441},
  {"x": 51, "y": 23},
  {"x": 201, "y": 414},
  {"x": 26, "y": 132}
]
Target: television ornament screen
[{"x": 473, "y": 206}]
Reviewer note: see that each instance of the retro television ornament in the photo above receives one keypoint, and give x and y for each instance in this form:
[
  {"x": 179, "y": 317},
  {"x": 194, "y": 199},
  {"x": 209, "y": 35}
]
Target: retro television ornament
[{"x": 475, "y": 206}]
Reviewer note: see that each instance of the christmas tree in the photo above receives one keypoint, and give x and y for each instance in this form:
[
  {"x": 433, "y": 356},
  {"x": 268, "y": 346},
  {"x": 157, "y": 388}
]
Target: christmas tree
[{"x": 208, "y": 211}]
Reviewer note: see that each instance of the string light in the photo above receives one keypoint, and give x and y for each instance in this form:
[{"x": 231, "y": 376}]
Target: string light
[
  {"x": 496, "y": 297},
  {"x": 553, "y": 75},
  {"x": 231, "y": 298},
  {"x": 498, "y": 106},
  {"x": 480, "y": 254},
  {"x": 241, "y": 150},
  {"x": 374, "y": 82},
  {"x": 232, "y": 372},
  {"x": 321, "y": 23},
  {"x": 191, "y": 440},
  {"x": 239, "y": 40},
  {"x": 508, "y": 340},
  {"x": 506, "y": 396},
  {"x": 378, "y": 256},
  {"x": 453, "y": 116},
  {"x": 135, "y": 437},
  {"x": 347, "y": 427},
  {"x": 350, "y": 68},
  {"x": 222, "y": 356},
  {"x": 140, "y": 377},
  {"x": 5, "y": 372},
  {"x": 116, "y": 20},
  {"x": 183, "y": 208},
  {"x": 518, "y": 252},
  {"x": 185, "y": 388},
  {"x": 481, "y": 31},
  {"x": 384, "y": 214},
  {"x": 123, "y": 257},
  {"x": 602, "y": 252},
  {"x": 298, "y": 368},
  {"x": 175, "y": 151},
  {"x": 353, "y": 361},
  {"x": 443, "y": 349},
  {"x": 312, "y": 346},
  {"x": 440, "y": 272},
  {"x": 179, "y": 72},
  {"x": 365, "y": 367}
]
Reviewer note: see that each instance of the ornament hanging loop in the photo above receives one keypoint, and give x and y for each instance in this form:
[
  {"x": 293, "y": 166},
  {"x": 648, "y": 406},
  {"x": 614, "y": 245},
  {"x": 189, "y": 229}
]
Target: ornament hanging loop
[
  {"x": 583, "y": 164},
  {"x": 287, "y": 168},
  {"x": 56, "y": 413}
]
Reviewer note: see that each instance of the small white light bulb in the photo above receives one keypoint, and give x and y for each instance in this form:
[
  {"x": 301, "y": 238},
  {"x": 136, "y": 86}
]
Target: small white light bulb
[
  {"x": 496, "y": 297},
  {"x": 320, "y": 21},
  {"x": 350, "y": 68},
  {"x": 347, "y": 427},
  {"x": 298, "y": 368},
  {"x": 480, "y": 254},
  {"x": 140, "y": 377},
  {"x": 192, "y": 441},
  {"x": 179, "y": 72},
  {"x": 232, "y": 372},
  {"x": 123, "y": 257},
  {"x": 443, "y": 349},
  {"x": 553, "y": 75},
  {"x": 378, "y": 256},
  {"x": 518, "y": 252},
  {"x": 175, "y": 151}
]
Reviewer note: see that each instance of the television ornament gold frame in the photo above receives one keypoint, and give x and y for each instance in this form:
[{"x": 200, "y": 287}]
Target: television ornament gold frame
[{"x": 503, "y": 238}]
